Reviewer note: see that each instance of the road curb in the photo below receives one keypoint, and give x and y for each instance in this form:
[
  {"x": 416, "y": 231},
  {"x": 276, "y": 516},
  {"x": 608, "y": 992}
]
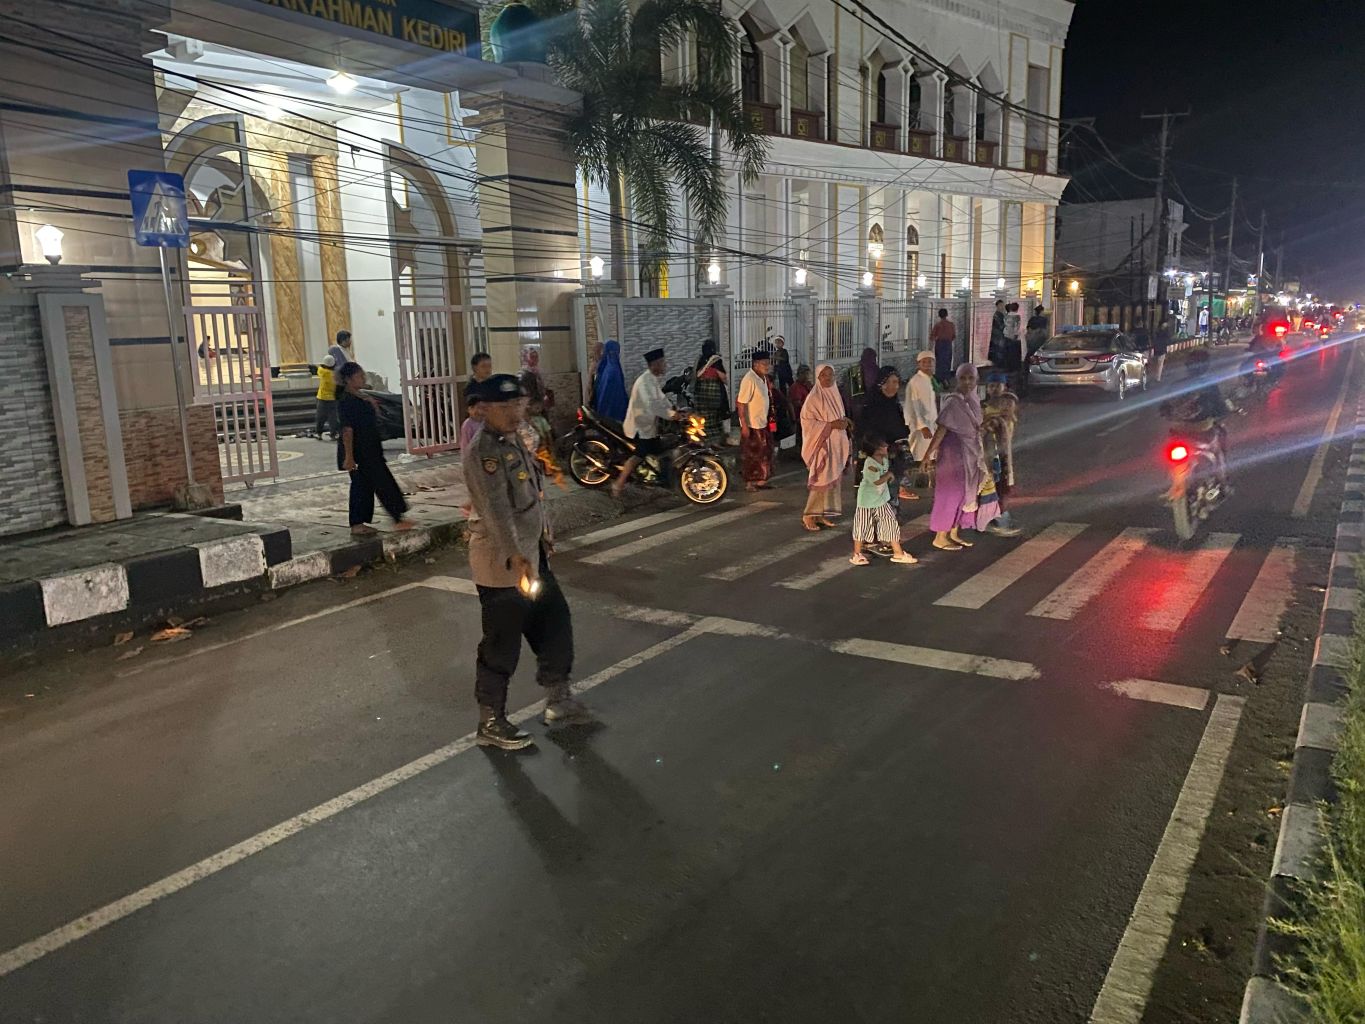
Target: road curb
[{"x": 1299, "y": 843}]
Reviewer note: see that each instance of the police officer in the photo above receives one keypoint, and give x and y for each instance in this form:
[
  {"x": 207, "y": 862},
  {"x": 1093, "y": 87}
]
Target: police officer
[{"x": 509, "y": 544}]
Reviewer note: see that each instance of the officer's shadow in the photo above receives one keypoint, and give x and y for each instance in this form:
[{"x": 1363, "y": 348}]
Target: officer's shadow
[{"x": 615, "y": 821}]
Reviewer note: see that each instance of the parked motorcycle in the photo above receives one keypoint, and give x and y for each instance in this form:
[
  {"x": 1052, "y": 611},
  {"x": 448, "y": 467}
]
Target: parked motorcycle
[
  {"x": 600, "y": 449},
  {"x": 1196, "y": 486}
]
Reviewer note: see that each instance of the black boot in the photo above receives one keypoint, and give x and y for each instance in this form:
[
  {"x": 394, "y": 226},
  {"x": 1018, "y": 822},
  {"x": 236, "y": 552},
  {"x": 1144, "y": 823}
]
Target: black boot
[
  {"x": 496, "y": 731},
  {"x": 563, "y": 708}
]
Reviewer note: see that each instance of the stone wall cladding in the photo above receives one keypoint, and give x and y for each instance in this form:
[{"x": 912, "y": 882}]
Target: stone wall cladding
[
  {"x": 156, "y": 464},
  {"x": 677, "y": 326},
  {"x": 80, "y": 348},
  {"x": 32, "y": 496}
]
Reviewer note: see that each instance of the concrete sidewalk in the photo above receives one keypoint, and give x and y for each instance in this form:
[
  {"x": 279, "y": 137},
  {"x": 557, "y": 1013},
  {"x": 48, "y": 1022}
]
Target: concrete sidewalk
[{"x": 82, "y": 587}]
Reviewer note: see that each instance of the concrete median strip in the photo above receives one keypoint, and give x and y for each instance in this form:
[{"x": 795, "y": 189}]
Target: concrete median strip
[{"x": 1300, "y": 838}]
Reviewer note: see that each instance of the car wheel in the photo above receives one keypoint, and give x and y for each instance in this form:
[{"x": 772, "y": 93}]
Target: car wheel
[{"x": 1122, "y": 391}]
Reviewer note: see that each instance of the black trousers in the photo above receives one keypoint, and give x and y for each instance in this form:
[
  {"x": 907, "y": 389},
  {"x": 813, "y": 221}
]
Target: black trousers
[
  {"x": 508, "y": 615},
  {"x": 370, "y": 480},
  {"x": 325, "y": 416}
]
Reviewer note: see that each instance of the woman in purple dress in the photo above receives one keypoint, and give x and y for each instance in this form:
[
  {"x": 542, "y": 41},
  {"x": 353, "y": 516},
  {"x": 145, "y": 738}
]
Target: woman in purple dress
[{"x": 957, "y": 478}]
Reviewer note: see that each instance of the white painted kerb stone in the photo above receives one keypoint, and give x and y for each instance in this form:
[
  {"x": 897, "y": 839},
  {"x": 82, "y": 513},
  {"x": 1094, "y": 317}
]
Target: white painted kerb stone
[
  {"x": 99, "y": 590},
  {"x": 231, "y": 560}
]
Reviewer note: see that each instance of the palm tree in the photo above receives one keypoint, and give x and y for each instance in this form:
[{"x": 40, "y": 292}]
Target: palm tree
[{"x": 641, "y": 135}]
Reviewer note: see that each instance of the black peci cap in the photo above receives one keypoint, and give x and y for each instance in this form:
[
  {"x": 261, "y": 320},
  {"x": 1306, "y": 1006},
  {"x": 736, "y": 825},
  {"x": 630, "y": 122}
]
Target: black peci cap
[
  {"x": 653, "y": 354},
  {"x": 501, "y": 387}
]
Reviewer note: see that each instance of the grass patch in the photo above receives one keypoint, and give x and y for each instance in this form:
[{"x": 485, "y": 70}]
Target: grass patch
[{"x": 1330, "y": 969}]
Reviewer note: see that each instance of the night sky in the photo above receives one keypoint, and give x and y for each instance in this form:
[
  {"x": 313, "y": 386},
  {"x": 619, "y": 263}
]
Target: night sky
[{"x": 1277, "y": 92}]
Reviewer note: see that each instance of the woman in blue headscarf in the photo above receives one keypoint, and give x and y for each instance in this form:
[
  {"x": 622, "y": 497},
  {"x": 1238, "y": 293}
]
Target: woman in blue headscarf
[{"x": 609, "y": 397}]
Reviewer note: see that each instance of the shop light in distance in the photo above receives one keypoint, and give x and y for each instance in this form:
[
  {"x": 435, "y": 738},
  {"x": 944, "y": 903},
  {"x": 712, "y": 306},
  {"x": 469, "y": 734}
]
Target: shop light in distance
[{"x": 342, "y": 83}]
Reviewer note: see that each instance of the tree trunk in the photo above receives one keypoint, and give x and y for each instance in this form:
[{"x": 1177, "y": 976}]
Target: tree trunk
[{"x": 619, "y": 264}]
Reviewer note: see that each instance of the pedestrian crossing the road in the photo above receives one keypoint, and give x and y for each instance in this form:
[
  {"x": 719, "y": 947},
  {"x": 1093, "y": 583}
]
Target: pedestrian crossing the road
[{"x": 1162, "y": 586}]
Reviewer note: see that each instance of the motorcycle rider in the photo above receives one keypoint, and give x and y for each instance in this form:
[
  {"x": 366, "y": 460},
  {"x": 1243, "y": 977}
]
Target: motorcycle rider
[
  {"x": 1202, "y": 410},
  {"x": 648, "y": 405}
]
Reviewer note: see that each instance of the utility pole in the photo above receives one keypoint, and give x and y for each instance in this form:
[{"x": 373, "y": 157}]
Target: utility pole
[
  {"x": 1279, "y": 262},
  {"x": 1159, "y": 263},
  {"x": 1260, "y": 263},
  {"x": 1208, "y": 288},
  {"x": 1227, "y": 266}
]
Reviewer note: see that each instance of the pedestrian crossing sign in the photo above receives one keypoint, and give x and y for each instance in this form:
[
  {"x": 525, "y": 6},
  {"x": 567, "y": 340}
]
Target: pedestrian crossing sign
[{"x": 159, "y": 214}]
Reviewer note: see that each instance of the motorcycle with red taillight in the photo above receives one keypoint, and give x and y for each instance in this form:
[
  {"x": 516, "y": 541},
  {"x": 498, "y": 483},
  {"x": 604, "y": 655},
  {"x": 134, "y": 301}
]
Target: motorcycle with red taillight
[{"x": 1194, "y": 459}]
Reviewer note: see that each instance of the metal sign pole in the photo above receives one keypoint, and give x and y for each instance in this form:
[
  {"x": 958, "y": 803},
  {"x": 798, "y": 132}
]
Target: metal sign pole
[{"x": 179, "y": 381}]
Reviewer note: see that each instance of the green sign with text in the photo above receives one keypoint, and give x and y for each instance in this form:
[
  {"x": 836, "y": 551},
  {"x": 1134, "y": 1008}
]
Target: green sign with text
[{"x": 422, "y": 22}]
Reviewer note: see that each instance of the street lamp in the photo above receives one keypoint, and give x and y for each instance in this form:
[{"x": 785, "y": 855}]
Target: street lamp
[
  {"x": 342, "y": 83},
  {"x": 598, "y": 267},
  {"x": 713, "y": 272},
  {"x": 966, "y": 284},
  {"x": 921, "y": 282},
  {"x": 867, "y": 279},
  {"x": 49, "y": 238},
  {"x": 800, "y": 276},
  {"x": 1000, "y": 284},
  {"x": 875, "y": 251},
  {"x": 1075, "y": 287},
  {"x": 1032, "y": 285}
]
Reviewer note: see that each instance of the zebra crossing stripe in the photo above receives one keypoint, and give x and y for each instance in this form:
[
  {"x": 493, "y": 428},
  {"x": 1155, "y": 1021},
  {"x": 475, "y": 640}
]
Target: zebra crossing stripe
[
  {"x": 990, "y": 581},
  {"x": 1090, "y": 579},
  {"x": 767, "y": 556},
  {"x": 1258, "y": 619},
  {"x": 1178, "y": 601},
  {"x": 827, "y": 570},
  {"x": 620, "y": 529},
  {"x": 635, "y": 547}
]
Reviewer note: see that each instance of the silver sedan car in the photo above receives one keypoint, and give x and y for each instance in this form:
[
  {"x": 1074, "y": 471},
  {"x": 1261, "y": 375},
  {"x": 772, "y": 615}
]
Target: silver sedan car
[{"x": 1090, "y": 357}]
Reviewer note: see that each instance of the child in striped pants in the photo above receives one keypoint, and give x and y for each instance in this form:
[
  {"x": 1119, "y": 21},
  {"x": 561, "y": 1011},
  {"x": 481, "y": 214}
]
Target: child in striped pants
[{"x": 875, "y": 521}]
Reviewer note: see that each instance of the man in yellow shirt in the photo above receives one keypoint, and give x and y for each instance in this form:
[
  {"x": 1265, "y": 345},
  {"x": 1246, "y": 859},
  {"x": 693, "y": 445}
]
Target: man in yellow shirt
[{"x": 326, "y": 413}]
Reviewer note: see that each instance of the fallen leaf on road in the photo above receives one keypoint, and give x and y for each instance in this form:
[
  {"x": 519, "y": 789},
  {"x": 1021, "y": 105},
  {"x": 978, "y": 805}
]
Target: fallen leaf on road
[
  {"x": 1274, "y": 812},
  {"x": 350, "y": 573},
  {"x": 1225, "y": 649},
  {"x": 122, "y": 639},
  {"x": 132, "y": 652},
  {"x": 170, "y": 635}
]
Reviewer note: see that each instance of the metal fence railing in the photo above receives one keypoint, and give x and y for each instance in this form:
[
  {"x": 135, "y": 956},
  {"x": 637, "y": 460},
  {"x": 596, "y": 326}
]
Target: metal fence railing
[{"x": 836, "y": 330}]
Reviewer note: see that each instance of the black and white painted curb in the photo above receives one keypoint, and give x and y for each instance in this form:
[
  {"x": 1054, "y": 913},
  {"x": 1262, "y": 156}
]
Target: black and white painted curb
[
  {"x": 118, "y": 591},
  {"x": 1310, "y": 779}
]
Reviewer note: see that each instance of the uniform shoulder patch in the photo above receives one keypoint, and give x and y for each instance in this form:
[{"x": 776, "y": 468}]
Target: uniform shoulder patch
[{"x": 490, "y": 465}]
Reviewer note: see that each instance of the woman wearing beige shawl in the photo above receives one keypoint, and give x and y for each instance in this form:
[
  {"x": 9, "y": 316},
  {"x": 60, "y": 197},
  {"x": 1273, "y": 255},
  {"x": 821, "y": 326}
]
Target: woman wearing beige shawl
[{"x": 824, "y": 448}]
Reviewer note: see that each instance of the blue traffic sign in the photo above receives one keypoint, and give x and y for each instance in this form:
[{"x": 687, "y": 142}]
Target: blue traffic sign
[{"x": 159, "y": 214}]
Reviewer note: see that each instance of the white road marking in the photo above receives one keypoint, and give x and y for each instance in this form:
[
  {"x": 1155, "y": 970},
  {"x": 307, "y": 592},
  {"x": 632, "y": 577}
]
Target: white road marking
[
  {"x": 990, "y": 581},
  {"x": 629, "y": 526},
  {"x": 1314, "y": 475},
  {"x": 1258, "y": 619},
  {"x": 1091, "y": 579},
  {"x": 1192, "y": 697},
  {"x": 624, "y": 551},
  {"x": 767, "y": 556},
  {"x": 1123, "y": 997},
  {"x": 1180, "y": 598},
  {"x": 207, "y": 648},
  {"x": 927, "y": 657},
  {"x": 111, "y": 913},
  {"x": 827, "y": 570}
]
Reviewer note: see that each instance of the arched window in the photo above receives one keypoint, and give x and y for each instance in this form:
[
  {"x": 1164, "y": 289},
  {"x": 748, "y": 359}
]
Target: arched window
[
  {"x": 950, "y": 112},
  {"x": 915, "y": 98},
  {"x": 750, "y": 66},
  {"x": 881, "y": 96},
  {"x": 911, "y": 256}
]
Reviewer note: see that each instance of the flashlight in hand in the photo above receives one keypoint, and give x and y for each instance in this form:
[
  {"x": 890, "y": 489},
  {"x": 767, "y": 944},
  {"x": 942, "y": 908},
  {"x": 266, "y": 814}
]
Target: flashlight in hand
[{"x": 528, "y": 586}]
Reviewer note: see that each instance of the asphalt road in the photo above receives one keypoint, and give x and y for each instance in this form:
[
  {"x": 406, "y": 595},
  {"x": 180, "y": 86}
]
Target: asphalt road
[{"x": 888, "y": 793}]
